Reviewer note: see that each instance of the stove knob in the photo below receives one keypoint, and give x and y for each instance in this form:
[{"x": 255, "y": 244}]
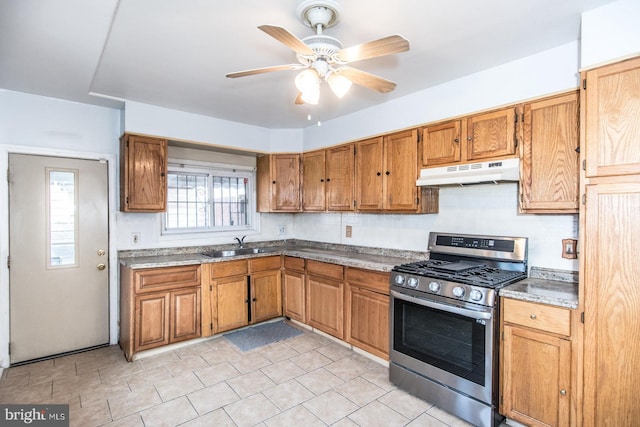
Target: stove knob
[
  {"x": 399, "y": 279},
  {"x": 475, "y": 295},
  {"x": 434, "y": 287},
  {"x": 412, "y": 282},
  {"x": 458, "y": 291}
]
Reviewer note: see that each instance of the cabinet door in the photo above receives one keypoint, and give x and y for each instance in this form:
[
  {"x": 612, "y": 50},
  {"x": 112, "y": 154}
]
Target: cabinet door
[
  {"x": 549, "y": 177},
  {"x": 185, "y": 314},
  {"x": 367, "y": 320},
  {"x": 152, "y": 321},
  {"x": 612, "y": 304},
  {"x": 340, "y": 178},
  {"x": 266, "y": 295},
  {"x": 369, "y": 174},
  {"x": 536, "y": 377},
  {"x": 294, "y": 295},
  {"x": 401, "y": 171},
  {"x": 313, "y": 181},
  {"x": 143, "y": 181},
  {"x": 612, "y": 127},
  {"x": 491, "y": 134},
  {"x": 232, "y": 302},
  {"x": 325, "y": 305},
  {"x": 441, "y": 144},
  {"x": 285, "y": 174},
  {"x": 263, "y": 183}
]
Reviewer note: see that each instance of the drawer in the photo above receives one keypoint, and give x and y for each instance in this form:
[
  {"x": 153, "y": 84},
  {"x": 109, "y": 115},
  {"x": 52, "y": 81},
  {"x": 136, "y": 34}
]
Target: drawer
[
  {"x": 293, "y": 263},
  {"x": 265, "y": 263},
  {"x": 547, "y": 318},
  {"x": 373, "y": 280},
  {"x": 165, "y": 278},
  {"x": 324, "y": 269},
  {"x": 229, "y": 268}
]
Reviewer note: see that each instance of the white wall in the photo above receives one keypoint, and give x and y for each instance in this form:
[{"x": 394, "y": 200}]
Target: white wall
[{"x": 610, "y": 32}]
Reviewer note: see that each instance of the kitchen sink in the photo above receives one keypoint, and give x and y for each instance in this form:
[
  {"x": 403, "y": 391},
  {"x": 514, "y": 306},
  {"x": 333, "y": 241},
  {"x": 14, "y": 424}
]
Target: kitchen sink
[{"x": 236, "y": 252}]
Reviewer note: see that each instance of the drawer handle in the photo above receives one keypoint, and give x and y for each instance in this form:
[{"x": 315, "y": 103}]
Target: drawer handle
[
  {"x": 563, "y": 392},
  {"x": 533, "y": 317}
]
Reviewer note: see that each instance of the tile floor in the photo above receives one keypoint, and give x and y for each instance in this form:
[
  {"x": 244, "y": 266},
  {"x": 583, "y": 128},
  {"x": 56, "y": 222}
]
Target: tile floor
[{"x": 307, "y": 380}]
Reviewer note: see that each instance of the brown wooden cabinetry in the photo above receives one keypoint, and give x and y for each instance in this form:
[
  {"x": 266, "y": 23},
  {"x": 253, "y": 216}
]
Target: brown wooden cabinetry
[
  {"x": 143, "y": 170},
  {"x": 492, "y": 134},
  {"x": 293, "y": 289},
  {"x": 549, "y": 168},
  {"x": 278, "y": 183},
  {"x": 158, "y": 306},
  {"x": 328, "y": 178},
  {"x": 366, "y": 304},
  {"x": 314, "y": 181},
  {"x": 441, "y": 144},
  {"x": 536, "y": 363},
  {"x": 325, "y": 287}
]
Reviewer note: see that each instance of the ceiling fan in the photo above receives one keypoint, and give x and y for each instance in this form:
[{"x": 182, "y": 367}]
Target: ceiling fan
[{"x": 322, "y": 57}]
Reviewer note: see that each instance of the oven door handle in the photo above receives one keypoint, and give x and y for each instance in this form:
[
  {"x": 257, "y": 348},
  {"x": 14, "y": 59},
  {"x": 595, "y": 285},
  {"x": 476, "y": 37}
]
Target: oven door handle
[{"x": 442, "y": 306}]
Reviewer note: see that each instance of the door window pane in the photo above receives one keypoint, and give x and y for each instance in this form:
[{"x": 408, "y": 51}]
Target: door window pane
[{"x": 62, "y": 218}]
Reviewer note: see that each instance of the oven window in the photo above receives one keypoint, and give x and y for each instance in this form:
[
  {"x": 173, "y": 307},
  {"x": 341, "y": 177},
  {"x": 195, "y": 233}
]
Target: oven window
[{"x": 448, "y": 341}]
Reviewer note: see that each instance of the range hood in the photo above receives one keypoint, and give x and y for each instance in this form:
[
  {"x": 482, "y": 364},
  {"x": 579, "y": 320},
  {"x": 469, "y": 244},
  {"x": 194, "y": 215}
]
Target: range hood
[{"x": 471, "y": 173}]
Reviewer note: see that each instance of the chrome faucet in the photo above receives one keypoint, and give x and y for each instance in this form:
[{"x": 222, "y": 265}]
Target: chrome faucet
[{"x": 240, "y": 241}]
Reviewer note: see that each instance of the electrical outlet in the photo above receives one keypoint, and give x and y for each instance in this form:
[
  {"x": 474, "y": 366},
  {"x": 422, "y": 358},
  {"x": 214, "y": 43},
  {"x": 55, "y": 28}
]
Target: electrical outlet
[
  {"x": 135, "y": 238},
  {"x": 282, "y": 230},
  {"x": 569, "y": 248},
  {"x": 349, "y": 231}
]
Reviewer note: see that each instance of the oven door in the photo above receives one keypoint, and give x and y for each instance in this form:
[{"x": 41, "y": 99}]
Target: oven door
[{"x": 449, "y": 344}]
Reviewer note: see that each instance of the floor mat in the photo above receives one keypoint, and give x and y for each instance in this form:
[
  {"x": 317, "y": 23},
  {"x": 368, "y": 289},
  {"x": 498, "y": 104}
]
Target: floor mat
[{"x": 257, "y": 336}]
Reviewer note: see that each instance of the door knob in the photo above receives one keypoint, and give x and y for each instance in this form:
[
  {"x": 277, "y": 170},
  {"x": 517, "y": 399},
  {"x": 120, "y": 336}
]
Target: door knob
[
  {"x": 101, "y": 267},
  {"x": 101, "y": 252}
]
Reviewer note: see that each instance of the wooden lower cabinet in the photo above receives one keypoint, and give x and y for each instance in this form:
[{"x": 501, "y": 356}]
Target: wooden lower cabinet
[
  {"x": 232, "y": 299},
  {"x": 293, "y": 289},
  {"x": 325, "y": 289},
  {"x": 158, "y": 306},
  {"x": 266, "y": 295},
  {"x": 536, "y": 364}
]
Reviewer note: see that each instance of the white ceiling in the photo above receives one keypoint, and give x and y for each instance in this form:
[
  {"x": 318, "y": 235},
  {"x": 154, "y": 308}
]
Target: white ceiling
[{"x": 175, "y": 53}]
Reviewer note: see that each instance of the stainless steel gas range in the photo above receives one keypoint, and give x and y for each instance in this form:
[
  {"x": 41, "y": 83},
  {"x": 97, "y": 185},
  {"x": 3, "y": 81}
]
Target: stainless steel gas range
[{"x": 444, "y": 322}]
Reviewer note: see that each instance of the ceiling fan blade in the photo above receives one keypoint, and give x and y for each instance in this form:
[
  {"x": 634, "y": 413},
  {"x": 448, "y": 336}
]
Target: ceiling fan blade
[
  {"x": 285, "y": 37},
  {"x": 264, "y": 70},
  {"x": 367, "y": 80},
  {"x": 373, "y": 49},
  {"x": 299, "y": 100}
]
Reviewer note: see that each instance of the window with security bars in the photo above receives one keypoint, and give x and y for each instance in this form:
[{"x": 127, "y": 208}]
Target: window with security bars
[{"x": 207, "y": 200}]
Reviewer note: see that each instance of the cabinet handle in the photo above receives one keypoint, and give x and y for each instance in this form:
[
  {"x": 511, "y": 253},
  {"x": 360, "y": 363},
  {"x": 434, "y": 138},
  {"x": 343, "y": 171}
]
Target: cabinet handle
[
  {"x": 246, "y": 301},
  {"x": 387, "y": 173},
  {"x": 322, "y": 180},
  {"x": 533, "y": 316},
  {"x": 328, "y": 179},
  {"x": 378, "y": 174},
  {"x": 456, "y": 140},
  {"x": 161, "y": 173},
  {"x": 563, "y": 392},
  {"x": 469, "y": 138},
  {"x": 273, "y": 182},
  {"x": 253, "y": 299}
]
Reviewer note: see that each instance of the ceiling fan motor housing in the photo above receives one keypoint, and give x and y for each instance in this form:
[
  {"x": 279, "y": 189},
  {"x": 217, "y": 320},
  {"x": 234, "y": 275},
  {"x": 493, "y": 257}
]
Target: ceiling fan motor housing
[{"x": 325, "y": 13}]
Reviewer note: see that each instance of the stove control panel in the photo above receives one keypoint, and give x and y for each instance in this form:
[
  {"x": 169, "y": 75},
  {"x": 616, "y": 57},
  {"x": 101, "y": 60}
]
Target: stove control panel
[{"x": 444, "y": 288}]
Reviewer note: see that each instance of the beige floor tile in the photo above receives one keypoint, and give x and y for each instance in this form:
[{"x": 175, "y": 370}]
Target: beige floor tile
[
  {"x": 376, "y": 414},
  {"x": 217, "y": 373},
  {"x": 187, "y": 364},
  {"x": 31, "y": 394},
  {"x": 311, "y": 360},
  {"x": 148, "y": 377},
  {"x": 405, "y": 404},
  {"x": 380, "y": 377},
  {"x": 220, "y": 354},
  {"x": 306, "y": 342},
  {"x": 279, "y": 352},
  {"x": 282, "y": 371},
  {"x": 248, "y": 384},
  {"x": 212, "y": 398},
  {"x": 360, "y": 391},
  {"x": 103, "y": 392},
  {"x": 217, "y": 418},
  {"x": 170, "y": 413},
  {"x": 159, "y": 360},
  {"x": 335, "y": 351},
  {"x": 89, "y": 415},
  {"x": 117, "y": 371},
  {"x": 132, "y": 402},
  {"x": 319, "y": 381},
  {"x": 52, "y": 374},
  {"x": 345, "y": 422},
  {"x": 330, "y": 407},
  {"x": 298, "y": 416},
  {"x": 426, "y": 420},
  {"x": 194, "y": 349},
  {"x": 133, "y": 420},
  {"x": 250, "y": 362},
  {"x": 287, "y": 395},
  {"x": 66, "y": 388},
  {"x": 251, "y": 410},
  {"x": 346, "y": 368},
  {"x": 177, "y": 386},
  {"x": 29, "y": 368},
  {"x": 447, "y": 418}
]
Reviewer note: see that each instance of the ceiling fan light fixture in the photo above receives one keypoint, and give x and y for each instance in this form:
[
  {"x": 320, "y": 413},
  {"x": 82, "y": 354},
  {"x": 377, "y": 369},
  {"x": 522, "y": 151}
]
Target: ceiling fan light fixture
[
  {"x": 339, "y": 85},
  {"x": 308, "y": 83}
]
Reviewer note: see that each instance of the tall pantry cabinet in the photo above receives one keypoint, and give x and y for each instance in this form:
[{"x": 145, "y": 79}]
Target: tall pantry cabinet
[{"x": 610, "y": 239}]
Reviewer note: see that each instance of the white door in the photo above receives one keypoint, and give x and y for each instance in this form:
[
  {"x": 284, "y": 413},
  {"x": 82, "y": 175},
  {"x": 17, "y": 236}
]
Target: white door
[{"x": 58, "y": 250}]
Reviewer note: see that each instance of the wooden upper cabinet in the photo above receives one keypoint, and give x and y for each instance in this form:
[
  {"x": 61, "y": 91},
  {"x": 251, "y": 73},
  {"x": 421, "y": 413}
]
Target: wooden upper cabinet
[
  {"x": 369, "y": 174},
  {"x": 313, "y": 181},
  {"x": 612, "y": 128},
  {"x": 340, "y": 163},
  {"x": 441, "y": 144},
  {"x": 491, "y": 134},
  {"x": 278, "y": 183},
  {"x": 400, "y": 171},
  {"x": 549, "y": 168},
  {"x": 143, "y": 170}
]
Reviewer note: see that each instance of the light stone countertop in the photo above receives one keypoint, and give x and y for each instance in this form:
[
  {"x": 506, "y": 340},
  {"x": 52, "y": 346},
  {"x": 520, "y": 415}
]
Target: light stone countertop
[
  {"x": 366, "y": 258},
  {"x": 546, "y": 286}
]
